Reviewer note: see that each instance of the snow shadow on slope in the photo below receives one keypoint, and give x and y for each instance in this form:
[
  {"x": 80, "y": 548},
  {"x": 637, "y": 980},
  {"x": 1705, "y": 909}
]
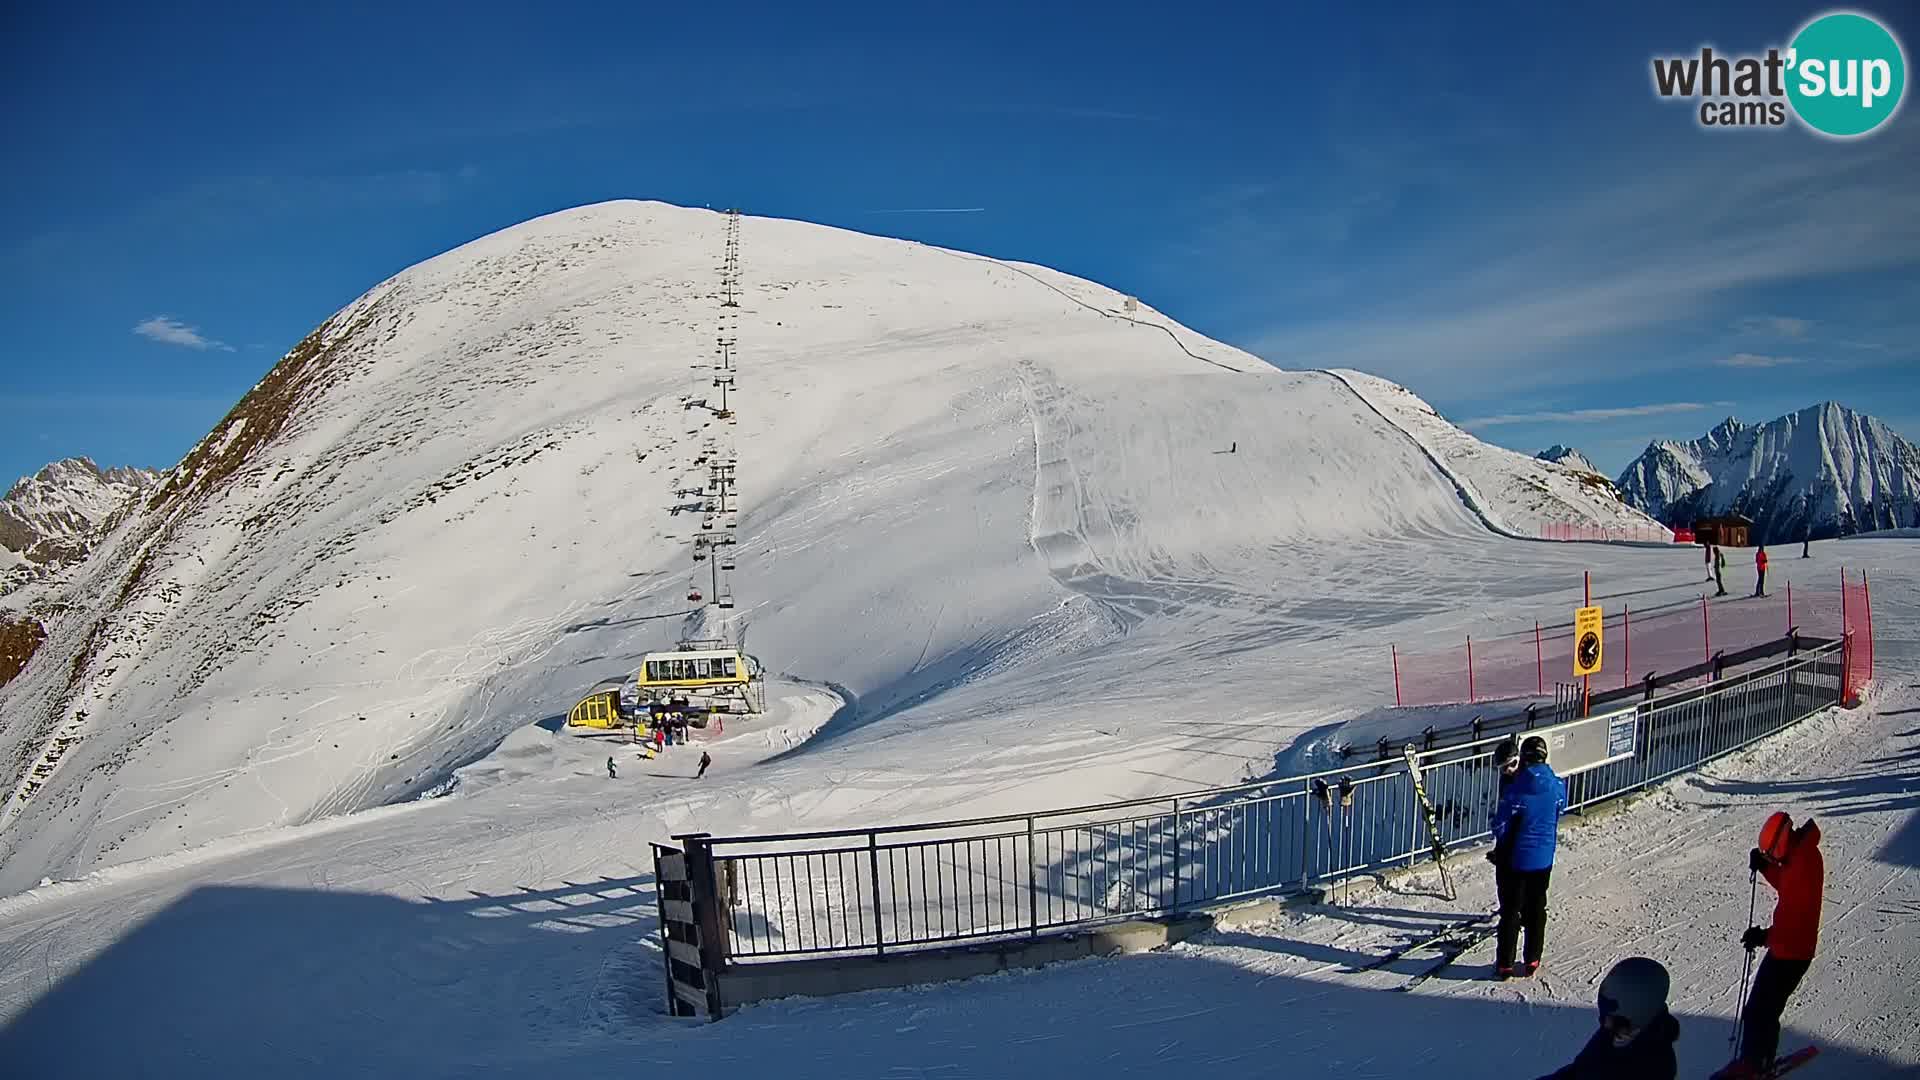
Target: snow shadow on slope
[
  {"x": 298, "y": 984},
  {"x": 1886, "y": 784},
  {"x": 253, "y": 981}
]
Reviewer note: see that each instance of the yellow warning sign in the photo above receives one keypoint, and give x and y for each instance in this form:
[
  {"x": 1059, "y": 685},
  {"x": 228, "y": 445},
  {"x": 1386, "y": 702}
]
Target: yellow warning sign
[{"x": 1588, "y": 639}]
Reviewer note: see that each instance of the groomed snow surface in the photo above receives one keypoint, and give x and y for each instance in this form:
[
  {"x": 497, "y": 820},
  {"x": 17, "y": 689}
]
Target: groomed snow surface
[{"x": 992, "y": 545}]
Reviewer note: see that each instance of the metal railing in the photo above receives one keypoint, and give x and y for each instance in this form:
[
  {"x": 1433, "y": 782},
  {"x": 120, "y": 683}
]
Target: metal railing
[{"x": 871, "y": 891}]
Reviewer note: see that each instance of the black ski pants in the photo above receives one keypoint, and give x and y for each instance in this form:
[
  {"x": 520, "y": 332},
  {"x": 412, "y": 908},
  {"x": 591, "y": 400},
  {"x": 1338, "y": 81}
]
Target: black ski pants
[
  {"x": 1523, "y": 904},
  {"x": 1760, "y": 1022}
]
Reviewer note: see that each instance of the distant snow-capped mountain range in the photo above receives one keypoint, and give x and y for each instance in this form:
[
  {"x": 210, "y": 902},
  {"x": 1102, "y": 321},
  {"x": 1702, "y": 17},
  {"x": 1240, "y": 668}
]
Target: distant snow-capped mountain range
[
  {"x": 1823, "y": 471},
  {"x": 47, "y": 519},
  {"x": 1568, "y": 456}
]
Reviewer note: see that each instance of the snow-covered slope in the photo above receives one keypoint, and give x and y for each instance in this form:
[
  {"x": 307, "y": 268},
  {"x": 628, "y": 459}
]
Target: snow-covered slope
[
  {"x": 1515, "y": 494},
  {"x": 1010, "y": 528},
  {"x": 452, "y": 508},
  {"x": 1825, "y": 470},
  {"x": 47, "y": 518},
  {"x": 1568, "y": 456},
  {"x": 513, "y": 932}
]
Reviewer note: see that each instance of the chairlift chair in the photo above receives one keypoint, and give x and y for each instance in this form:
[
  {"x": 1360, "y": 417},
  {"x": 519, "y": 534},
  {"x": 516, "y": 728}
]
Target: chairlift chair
[{"x": 693, "y": 595}]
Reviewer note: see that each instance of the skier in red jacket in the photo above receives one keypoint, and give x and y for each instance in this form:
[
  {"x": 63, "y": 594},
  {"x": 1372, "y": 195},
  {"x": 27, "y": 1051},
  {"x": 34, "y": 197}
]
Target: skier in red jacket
[
  {"x": 1789, "y": 859},
  {"x": 1760, "y": 571}
]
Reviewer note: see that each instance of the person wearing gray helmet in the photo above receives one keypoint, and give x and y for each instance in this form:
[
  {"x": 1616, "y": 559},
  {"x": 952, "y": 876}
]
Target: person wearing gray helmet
[{"x": 1637, "y": 1033}]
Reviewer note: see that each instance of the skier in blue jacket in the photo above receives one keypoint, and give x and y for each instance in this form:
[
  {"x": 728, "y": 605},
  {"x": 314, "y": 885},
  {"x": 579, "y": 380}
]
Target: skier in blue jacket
[{"x": 1525, "y": 825}]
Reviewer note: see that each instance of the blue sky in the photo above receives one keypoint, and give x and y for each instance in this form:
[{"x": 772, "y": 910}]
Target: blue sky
[{"x": 1490, "y": 207}]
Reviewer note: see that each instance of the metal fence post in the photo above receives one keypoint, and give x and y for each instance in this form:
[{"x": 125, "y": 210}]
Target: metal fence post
[
  {"x": 1413, "y": 819},
  {"x": 1033, "y": 885},
  {"x": 873, "y": 866},
  {"x": 1306, "y": 833},
  {"x": 1176, "y": 856},
  {"x": 702, "y": 891}
]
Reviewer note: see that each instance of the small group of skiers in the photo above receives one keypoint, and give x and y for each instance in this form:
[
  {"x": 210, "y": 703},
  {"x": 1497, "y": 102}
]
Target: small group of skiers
[
  {"x": 1717, "y": 568},
  {"x": 1637, "y": 1033},
  {"x": 706, "y": 759}
]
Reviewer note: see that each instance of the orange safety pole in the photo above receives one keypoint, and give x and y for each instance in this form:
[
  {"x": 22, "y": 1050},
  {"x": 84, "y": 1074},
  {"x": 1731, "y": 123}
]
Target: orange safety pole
[
  {"x": 1706, "y": 628},
  {"x": 1586, "y": 681},
  {"x": 1470, "y": 697},
  {"x": 1396, "y": 675},
  {"x": 1539, "y": 661},
  {"x": 1626, "y": 637},
  {"x": 1866, "y": 595},
  {"x": 1846, "y": 643}
]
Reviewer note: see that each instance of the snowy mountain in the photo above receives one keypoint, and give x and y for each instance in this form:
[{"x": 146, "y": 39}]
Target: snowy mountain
[
  {"x": 1825, "y": 471},
  {"x": 1568, "y": 456},
  {"x": 48, "y": 518},
  {"x": 1514, "y": 494},
  {"x": 970, "y": 490},
  {"x": 1008, "y": 541}
]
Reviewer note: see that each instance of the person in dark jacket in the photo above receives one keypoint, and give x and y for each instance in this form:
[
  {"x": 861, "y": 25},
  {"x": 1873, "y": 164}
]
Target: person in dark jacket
[
  {"x": 1790, "y": 860},
  {"x": 1506, "y": 758},
  {"x": 1529, "y": 812},
  {"x": 705, "y": 760},
  {"x": 1637, "y": 1033}
]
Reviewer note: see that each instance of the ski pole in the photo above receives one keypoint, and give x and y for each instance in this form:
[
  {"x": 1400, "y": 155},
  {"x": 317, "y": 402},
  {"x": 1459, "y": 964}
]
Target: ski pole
[{"x": 1740, "y": 1003}]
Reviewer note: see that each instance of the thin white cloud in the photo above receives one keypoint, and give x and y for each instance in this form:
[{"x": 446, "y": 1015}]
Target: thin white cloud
[
  {"x": 1588, "y": 416},
  {"x": 1755, "y": 360},
  {"x": 1495, "y": 295},
  {"x": 1782, "y": 326},
  {"x": 171, "y": 331}
]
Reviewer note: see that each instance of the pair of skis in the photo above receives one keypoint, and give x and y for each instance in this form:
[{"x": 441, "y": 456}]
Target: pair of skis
[
  {"x": 1450, "y": 942},
  {"x": 1432, "y": 816},
  {"x": 1782, "y": 1065}
]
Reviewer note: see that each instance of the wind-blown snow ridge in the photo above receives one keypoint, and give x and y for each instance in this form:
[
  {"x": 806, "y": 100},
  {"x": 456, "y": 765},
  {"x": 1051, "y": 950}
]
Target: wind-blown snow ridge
[{"x": 1515, "y": 495}]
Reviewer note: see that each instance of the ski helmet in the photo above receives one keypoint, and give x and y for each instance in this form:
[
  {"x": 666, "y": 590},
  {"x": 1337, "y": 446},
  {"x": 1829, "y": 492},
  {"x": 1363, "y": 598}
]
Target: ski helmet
[
  {"x": 1503, "y": 750},
  {"x": 1534, "y": 750},
  {"x": 1777, "y": 835},
  {"x": 1635, "y": 990}
]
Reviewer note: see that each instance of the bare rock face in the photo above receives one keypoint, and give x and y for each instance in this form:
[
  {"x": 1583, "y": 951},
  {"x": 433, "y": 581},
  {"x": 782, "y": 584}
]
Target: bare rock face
[{"x": 50, "y": 519}]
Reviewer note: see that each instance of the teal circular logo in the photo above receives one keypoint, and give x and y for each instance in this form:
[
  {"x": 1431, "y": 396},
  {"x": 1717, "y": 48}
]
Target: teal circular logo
[{"x": 1846, "y": 74}]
